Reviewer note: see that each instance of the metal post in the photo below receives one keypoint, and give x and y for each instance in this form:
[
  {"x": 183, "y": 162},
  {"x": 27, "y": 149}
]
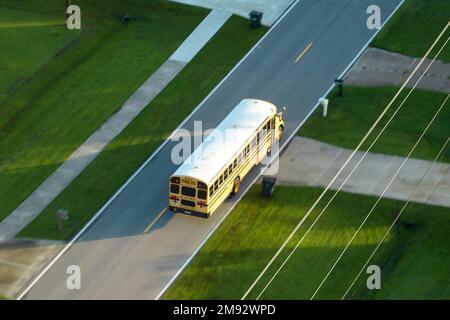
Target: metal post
[
  {"x": 61, "y": 216},
  {"x": 324, "y": 103},
  {"x": 340, "y": 84},
  {"x": 68, "y": 4}
]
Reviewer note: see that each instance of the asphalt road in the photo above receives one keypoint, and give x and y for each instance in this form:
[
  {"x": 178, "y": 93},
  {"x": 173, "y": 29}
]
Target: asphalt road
[{"x": 116, "y": 258}]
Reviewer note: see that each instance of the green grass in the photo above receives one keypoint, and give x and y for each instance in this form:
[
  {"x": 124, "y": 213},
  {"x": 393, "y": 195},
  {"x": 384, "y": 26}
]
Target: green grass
[
  {"x": 46, "y": 32},
  {"x": 76, "y": 83},
  {"x": 414, "y": 258},
  {"x": 414, "y": 28},
  {"x": 351, "y": 116},
  {"x": 109, "y": 171}
]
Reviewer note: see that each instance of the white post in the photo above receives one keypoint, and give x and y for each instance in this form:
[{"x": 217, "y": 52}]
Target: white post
[{"x": 324, "y": 103}]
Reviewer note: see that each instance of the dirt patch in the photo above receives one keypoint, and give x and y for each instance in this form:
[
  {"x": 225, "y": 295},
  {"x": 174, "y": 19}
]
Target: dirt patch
[
  {"x": 21, "y": 260},
  {"x": 383, "y": 68}
]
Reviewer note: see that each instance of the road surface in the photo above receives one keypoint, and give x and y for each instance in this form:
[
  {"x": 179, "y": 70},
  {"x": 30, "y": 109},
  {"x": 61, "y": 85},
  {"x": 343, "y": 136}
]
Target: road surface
[{"x": 117, "y": 258}]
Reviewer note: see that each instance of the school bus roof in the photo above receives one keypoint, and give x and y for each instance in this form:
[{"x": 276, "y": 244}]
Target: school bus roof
[{"x": 226, "y": 140}]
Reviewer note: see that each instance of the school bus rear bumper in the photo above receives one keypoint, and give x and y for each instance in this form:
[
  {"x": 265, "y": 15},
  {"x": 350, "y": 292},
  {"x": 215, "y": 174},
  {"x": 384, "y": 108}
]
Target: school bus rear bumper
[{"x": 189, "y": 212}]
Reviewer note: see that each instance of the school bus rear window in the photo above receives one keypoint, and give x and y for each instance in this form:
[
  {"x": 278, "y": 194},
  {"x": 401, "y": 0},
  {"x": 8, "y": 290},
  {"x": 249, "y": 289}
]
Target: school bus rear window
[
  {"x": 174, "y": 188},
  {"x": 186, "y": 191}
]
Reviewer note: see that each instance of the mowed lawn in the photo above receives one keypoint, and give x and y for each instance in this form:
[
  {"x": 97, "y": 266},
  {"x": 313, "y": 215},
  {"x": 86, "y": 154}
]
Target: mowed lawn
[
  {"x": 351, "y": 116},
  {"x": 414, "y": 28},
  {"x": 110, "y": 170},
  {"x": 413, "y": 259},
  {"x": 59, "y": 86},
  {"x": 28, "y": 41}
]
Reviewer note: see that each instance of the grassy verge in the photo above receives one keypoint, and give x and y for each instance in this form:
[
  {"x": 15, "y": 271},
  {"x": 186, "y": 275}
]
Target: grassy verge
[
  {"x": 413, "y": 258},
  {"x": 46, "y": 32},
  {"x": 108, "y": 171},
  {"x": 415, "y": 26},
  {"x": 351, "y": 116},
  {"x": 45, "y": 118}
]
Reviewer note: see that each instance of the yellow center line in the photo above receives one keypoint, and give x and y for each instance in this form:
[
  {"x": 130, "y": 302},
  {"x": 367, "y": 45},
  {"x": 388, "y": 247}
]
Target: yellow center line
[
  {"x": 303, "y": 52},
  {"x": 155, "y": 220}
]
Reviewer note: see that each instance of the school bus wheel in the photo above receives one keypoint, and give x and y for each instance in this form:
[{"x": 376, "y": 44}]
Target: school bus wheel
[
  {"x": 281, "y": 132},
  {"x": 236, "y": 185}
]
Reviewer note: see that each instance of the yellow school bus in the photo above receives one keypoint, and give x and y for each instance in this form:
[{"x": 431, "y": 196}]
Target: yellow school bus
[{"x": 215, "y": 169}]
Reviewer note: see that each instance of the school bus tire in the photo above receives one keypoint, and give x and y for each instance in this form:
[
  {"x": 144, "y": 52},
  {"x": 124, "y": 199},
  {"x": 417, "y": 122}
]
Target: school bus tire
[
  {"x": 236, "y": 186},
  {"x": 281, "y": 132}
]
